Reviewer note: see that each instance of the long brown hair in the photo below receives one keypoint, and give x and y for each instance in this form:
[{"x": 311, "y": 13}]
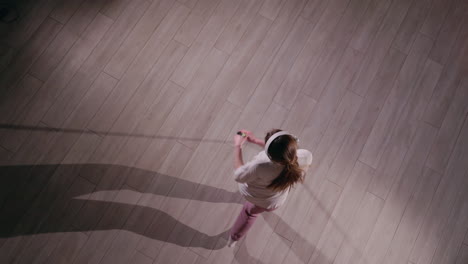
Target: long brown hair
[{"x": 283, "y": 150}]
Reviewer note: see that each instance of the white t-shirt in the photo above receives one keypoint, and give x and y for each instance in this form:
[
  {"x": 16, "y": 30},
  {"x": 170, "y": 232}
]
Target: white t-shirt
[{"x": 254, "y": 177}]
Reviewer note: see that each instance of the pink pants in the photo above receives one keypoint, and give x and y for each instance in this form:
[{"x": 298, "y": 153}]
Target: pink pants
[{"x": 245, "y": 220}]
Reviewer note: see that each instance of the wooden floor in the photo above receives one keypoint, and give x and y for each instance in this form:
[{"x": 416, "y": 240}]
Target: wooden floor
[{"x": 117, "y": 117}]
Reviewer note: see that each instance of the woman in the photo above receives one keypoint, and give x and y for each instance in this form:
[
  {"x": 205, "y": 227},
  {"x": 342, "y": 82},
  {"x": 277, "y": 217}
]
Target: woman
[{"x": 265, "y": 181}]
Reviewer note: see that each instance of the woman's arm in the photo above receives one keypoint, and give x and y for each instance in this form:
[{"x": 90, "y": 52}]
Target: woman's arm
[
  {"x": 243, "y": 172},
  {"x": 238, "y": 142},
  {"x": 238, "y": 161},
  {"x": 251, "y": 138},
  {"x": 257, "y": 141}
]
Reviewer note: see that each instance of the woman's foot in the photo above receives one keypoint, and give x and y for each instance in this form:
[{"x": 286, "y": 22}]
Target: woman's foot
[{"x": 231, "y": 242}]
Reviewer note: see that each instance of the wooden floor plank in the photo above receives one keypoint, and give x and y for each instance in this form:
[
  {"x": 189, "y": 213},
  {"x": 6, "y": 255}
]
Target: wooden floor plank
[
  {"x": 189, "y": 3},
  {"x": 403, "y": 131},
  {"x": 189, "y": 257},
  {"x": 40, "y": 246},
  {"x": 113, "y": 8},
  {"x": 369, "y": 25},
  {"x": 204, "y": 42},
  {"x": 225, "y": 190},
  {"x": 68, "y": 248},
  {"x": 365, "y": 118},
  {"x": 445, "y": 142},
  {"x": 351, "y": 251},
  {"x": 133, "y": 86},
  {"x": 149, "y": 125},
  {"x": 445, "y": 40},
  {"x": 400, "y": 194},
  {"x": 96, "y": 61},
  {"x": 449, "y": 80},
  {"x": 444, "y": 199},
  {"x": 417, "y": 101},
  {"x": 225, "y": 82},
  {"x": 102, "y": 235},
  {"x": 138, "y": 37},
  {"x": 276, "y": 249},
  {"x": 345, "y": 15},
  {"x": 6, "y": 56},
  {"x": 264, "y": 93},
  {"x": 90, "y": 104},
  {"x": 73, "y": 29},
  {"x": 271, "y": 8},
  {"x": 224, "y": 255},
  {"x": 164, "y": 223},
  {"x": 294, "y": 81},
  {"x": 59, "y": 142},
  {"x": 121, "y": 250},
  {"x": 454, "y": 230},
  {"x": 55, "y": 218},
  {"x": 198, "y": 17},
  {"x": 64, "y": 10},
  {"x": 64, "y": 141},
  {"x": 334, "y": 233},
  {"x": 28, "y": 54},
  {"x": 63, "y": 177},
  {"x": 131, "y": 122},
  {"x": 5, "y": 155},
  {"x": 58, "y": 81},
  {"x": 313, "y": 10},
  {"x": 139, "y": 258},
  {"x": 191, "y": 215},
  {"x": 399, "y": 102},
  {"x": 59, "y": 221},
  {"x": 462, "y": 255},
  {"x": 108, "y": 152},
  {"x": 466, "y": 238},
  {"x": 436, "y": 16},
  {"x": 309, "y": 56},
  {"x": 323, "y": 157},
  {"x": 72, "y": 55},
  {"x": 379, "y": 47},
  {"x": 114, "y": 177},
  {"x": 321, "y": 207},
  {"x": 28, "y": 155},
  {"x": 409, "y": 28},
  {"x": 25, "y": 6},
  {"x": 51, "y": 57},
  {"x": 411, "y": 221},
  {"x": 172, "y": 127},
  {"x": 259, "y": 64},
  {"x": 239, "y": 24},
  {"x": 124, "y": 246},
  {"x": 18, "y": 35},
  {"x": 329, "y": 101},
  {"x": 17, "y": 101},
  {"x": 299, "y": 114}
]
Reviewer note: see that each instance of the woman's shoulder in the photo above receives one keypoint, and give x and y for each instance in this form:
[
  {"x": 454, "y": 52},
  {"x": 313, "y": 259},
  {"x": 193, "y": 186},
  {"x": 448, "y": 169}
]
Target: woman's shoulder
[
  {"x": 261, "y": 157},
  {"x": 304, "y": 156},
  {"x": 304, "y": 153},
  {"x": 263, "y": 161}
]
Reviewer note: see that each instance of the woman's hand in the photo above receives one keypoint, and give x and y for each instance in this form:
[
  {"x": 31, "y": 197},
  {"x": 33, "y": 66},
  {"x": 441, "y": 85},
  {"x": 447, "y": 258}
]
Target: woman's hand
[
  {"x": 239, "y": 140},
  {"x": 251, "y": 138},
  {"x": 248, "y": 135}
]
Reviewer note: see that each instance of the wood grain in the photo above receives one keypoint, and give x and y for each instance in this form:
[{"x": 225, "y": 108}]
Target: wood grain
[{"x": 117, "y": 120}]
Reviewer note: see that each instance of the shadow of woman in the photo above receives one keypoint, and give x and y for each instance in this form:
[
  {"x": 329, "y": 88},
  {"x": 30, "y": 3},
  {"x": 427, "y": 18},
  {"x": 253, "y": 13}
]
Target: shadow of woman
[
  {"x": 65, "y": 202},
  {"x": 244, "y": 256},
  {"x": 58, "y": 198}
]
